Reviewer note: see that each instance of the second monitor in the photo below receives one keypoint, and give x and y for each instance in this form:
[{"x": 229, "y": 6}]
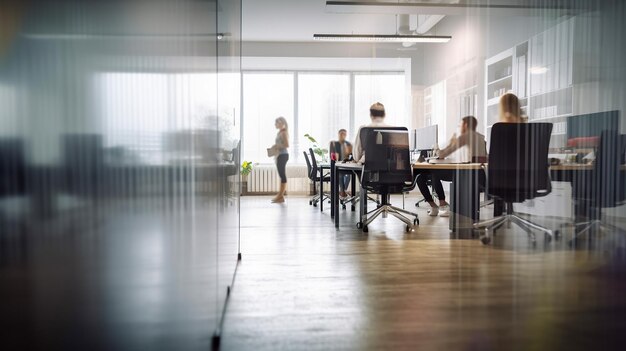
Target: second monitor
[{"x": 425, "y": 138}]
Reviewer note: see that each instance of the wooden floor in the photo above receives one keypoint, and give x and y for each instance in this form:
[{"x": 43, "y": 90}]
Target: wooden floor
[{"x": 302, "y": 285}]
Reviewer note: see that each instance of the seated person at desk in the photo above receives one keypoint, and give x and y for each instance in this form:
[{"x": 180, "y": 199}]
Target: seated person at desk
[
  {"x": 509, "y": 111},
  {"x": 377, "y": 115},
  {"x": 343, "y": 149},
  {"x": 474, "y": 148}
]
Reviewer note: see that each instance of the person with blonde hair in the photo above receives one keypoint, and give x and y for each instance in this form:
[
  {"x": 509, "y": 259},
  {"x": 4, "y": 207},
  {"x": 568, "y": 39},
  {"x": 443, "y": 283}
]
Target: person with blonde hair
[
  {"x": 509, "y": 109},
  {"x": 377, "y": 116},
  {"x": 280, "y": 145}
]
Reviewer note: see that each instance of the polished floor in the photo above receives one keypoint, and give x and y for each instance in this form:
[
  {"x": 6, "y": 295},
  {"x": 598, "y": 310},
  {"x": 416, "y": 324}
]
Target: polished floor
[{"x": 302, "y": 285}]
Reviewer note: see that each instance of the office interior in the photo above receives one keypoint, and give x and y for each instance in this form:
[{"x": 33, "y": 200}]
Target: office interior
[{"x": 138, "y": 199}]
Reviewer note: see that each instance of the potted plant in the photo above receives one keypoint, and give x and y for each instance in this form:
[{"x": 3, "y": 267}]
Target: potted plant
[
  {"x": 246, "y": 168},
  {"x": 320, "y": 152}
]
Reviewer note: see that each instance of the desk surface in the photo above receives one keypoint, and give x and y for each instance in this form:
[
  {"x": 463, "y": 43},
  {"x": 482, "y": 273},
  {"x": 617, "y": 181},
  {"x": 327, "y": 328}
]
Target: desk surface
[
  {"x": 448, "y": 166},
  {"x": 469, "y": 166}
]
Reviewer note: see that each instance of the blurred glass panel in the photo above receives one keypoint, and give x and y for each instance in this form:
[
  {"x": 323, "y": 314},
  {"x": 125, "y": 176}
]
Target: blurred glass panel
[{"x": 116, "y": 170}]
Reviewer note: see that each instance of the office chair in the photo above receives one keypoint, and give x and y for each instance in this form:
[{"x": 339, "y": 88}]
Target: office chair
[
  {"x": 518, "y": 170},
  {"x": 603, "y": 188},
  {"x": 314, "y": 177},
  {"x": 387, "y": 170},
  {"x": 317, "y": 177},
  {"x": 12, "y": 167}
]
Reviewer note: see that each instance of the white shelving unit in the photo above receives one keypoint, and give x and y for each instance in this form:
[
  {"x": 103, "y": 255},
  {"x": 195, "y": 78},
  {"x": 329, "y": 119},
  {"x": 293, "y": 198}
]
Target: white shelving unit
[{"x": 541, "y": 75}]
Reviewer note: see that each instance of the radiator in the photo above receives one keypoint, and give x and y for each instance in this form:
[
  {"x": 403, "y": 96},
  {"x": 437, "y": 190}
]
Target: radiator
[{"x": 264, "y": 179}]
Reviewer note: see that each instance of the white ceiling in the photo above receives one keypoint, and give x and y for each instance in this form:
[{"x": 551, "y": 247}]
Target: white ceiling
[{"x": 298, "y": 20}]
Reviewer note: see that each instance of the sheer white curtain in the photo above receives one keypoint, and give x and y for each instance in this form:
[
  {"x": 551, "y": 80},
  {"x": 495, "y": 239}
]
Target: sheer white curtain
[
  {"x": 266, "y": 96},
  {"x": 323, "y": 108},
  {"x": 388, "y": 89}
]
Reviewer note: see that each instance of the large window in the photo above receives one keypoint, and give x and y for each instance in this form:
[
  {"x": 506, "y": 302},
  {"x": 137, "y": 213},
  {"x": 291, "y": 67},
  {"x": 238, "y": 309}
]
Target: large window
[
  {"x": 266, "y": 96},
  {"x": 317, "y": 103},
  {"x": 388, "y": 89},
  {"x": 323, "y": 108}
]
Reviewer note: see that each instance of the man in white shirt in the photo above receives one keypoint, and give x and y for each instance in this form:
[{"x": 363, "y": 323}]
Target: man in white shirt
[
  {"x": 377, "y": 115},
  {"x": 473, "y": 149}
]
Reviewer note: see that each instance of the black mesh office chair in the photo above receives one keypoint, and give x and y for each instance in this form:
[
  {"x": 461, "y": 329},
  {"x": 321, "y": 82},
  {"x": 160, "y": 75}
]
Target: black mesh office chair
[
  {"x": 318, "y": 177},
  {"x": 387, "y": 170},
  {"x": 518, "y": 170},
  {"x": 604, "y": 188},
  {"x": 314, "y": 177},
  {"x": 12, "y": 167}
]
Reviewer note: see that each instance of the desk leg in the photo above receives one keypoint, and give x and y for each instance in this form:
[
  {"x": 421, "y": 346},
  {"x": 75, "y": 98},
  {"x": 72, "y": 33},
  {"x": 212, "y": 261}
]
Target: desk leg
[
  {"x": 321, "y": 190},
  {"x": 362, "y": 204},
  {"x": 353, "y": 189},
  {"x": 464, "y": 203},
  {"x": 336, "y": 176},
  {"x": 333, "y": 186}
]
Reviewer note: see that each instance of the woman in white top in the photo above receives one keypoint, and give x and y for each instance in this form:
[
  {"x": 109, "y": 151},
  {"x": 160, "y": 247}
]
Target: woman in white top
[{"x": 281, "y": 144}]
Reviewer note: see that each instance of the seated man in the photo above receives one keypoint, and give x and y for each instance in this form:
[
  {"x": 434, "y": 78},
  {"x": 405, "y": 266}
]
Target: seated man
[
  {"x": 343, "y": 149},
  {"x": 377, "y": 115},
  {"x": 474, "y": 150}
]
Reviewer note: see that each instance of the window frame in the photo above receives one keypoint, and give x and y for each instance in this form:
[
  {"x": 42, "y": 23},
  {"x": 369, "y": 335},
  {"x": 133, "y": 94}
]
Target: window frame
[{"x": 296, "y": 73}]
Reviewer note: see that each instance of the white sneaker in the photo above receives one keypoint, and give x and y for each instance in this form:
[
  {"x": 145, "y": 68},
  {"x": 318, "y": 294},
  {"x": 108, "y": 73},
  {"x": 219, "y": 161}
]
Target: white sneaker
[
  {"x": 433, "y": 212},
  {"x": 444, "y": 211}
]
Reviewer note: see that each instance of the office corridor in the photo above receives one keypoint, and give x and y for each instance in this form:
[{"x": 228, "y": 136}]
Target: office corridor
[{"x": 303, "y": 285}]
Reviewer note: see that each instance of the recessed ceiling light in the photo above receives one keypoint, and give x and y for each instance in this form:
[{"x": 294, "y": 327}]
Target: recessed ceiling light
[
  {"x": 538, "y": 70},
  {"x": 390, "y": 38}
]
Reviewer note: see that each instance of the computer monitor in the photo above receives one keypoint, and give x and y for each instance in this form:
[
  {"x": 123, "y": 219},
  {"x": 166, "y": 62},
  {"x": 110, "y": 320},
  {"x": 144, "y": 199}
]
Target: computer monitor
[
  {"x": 426, "y": 138},
  {"x": 585, "y": 130}
]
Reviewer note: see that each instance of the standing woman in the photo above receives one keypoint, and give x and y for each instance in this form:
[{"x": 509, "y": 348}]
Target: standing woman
[{"x": 281, "y": 145}]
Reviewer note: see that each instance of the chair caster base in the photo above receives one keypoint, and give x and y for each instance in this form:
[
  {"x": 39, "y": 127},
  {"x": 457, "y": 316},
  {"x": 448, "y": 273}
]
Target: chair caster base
[
  {"x": 486, "y": 240},
  {"x": 365, "y": 229}
]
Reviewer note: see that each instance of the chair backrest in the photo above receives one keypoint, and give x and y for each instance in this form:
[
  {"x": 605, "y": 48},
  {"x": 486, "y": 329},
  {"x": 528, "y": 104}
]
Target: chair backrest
[
  {"x": 309, "y": 169},
  {"x": 12, "y": 166},
  {"x": 388, "y": 161},
  {"x": 518, "y": 161},
  {"x": 608, "y": 180},
  {"x": 314, "y": 167}
]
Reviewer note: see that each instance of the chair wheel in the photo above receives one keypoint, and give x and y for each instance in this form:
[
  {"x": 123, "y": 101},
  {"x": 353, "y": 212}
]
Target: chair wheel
[
  {"x": 352, "y": 208},
  {"x": 315, "y": 205},
  {"x": 417, "y": 204},
  {"x": 359, "y": 225},
  {"x": 547, "y": 238},
  {"x": 409, "y": 228},
  {"x": 557, "y": 234},
  {"x": 310, "y": 203},
  {"x": 365, "y": 229},
  {"x": 416, "y": 221},
  {"x": 486, "y": 240},
  {"x": 343, "y": 207}
]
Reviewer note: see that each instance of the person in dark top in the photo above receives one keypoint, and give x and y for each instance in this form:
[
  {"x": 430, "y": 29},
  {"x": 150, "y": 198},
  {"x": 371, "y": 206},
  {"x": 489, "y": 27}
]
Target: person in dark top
[{"x": 343, "y": 149}]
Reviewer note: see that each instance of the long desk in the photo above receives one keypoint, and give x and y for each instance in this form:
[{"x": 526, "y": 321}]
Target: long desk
[
  {"x": 464, "y": 204},
  {"x": 464, "y": 189}
]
